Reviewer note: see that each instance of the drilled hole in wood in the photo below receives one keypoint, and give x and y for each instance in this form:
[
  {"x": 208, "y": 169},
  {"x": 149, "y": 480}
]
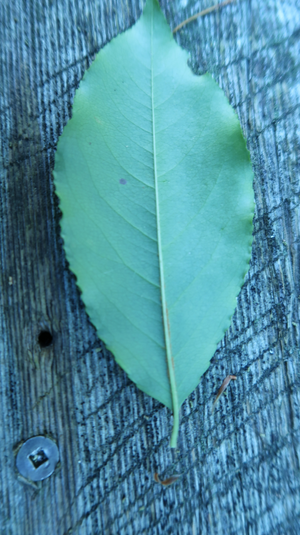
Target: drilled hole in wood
[{"x": 45, "y": 339}]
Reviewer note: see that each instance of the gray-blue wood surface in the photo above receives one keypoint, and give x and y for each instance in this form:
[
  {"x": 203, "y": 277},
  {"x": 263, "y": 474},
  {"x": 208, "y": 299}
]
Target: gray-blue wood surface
[{"x": 240, "y": 464}]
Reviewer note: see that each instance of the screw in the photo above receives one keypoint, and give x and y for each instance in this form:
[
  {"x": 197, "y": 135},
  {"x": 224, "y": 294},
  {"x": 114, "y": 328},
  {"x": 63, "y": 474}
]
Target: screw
[{"x": 37, "y": 458}]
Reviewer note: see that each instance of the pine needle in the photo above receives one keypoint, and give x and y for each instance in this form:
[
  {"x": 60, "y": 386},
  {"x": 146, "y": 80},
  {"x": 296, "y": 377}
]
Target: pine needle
[
  {"x": 168, "y": 481},
  {"x": 222, "y": 388},
  {"x": 202, "y": 13}
]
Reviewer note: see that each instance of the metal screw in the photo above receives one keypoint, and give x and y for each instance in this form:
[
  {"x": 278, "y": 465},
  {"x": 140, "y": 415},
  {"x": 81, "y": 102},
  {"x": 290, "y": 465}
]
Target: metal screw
[{"x": 37, "y": 458}]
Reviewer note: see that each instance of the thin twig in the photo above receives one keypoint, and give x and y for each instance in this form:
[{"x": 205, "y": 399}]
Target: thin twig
[
  {"x": 222, "y": 388},
  {"x": 202, "y": 13}
]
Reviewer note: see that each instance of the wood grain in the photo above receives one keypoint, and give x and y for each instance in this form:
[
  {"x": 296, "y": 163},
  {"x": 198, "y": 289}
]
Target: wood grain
[{"x": 240, "y": 464}]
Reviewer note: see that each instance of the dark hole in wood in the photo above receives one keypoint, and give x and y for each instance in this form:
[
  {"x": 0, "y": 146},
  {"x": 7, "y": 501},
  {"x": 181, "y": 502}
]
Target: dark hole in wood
[
  {"x": 38, "y": 458},
  {"x": 45, "y": 338}
]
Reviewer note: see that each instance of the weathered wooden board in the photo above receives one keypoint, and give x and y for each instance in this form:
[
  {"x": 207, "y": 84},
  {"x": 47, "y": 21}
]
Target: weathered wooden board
[{"x": 240, "y": 464}]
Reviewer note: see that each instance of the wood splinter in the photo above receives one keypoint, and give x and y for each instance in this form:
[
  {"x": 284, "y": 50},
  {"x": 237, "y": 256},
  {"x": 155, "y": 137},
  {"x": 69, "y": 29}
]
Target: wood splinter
[
  {"x": 222, "y": 388},
  {"x": 167, "y": 482}
]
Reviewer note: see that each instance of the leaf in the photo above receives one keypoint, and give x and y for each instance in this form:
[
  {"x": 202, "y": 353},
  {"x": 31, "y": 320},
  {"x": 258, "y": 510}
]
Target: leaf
[{"x": 155, "y": 186}]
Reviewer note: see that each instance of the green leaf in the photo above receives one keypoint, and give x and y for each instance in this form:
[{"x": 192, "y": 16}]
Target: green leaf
[{"x": 155, "y": 186}]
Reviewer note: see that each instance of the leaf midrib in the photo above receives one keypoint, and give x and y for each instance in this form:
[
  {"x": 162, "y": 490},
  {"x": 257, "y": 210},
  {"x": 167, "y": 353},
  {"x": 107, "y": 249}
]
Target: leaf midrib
[{"x": 170, "y": 361}]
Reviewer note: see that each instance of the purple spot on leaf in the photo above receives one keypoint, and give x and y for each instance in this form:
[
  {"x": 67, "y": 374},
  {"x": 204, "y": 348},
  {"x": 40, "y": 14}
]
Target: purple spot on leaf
[{"x": 123, "y": 181}]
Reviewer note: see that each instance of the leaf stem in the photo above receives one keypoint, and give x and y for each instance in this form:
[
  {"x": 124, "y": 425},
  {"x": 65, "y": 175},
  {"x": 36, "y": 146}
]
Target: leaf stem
[
  {"x": 202, "y": 13},
  {"x": 170, "y": 361},
  {"x": 173, "y": 441}
]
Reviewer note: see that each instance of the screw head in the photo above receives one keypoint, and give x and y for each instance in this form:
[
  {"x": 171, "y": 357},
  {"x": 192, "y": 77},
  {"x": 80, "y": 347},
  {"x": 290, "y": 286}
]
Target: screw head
[{"x": 37, "y": 458}]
